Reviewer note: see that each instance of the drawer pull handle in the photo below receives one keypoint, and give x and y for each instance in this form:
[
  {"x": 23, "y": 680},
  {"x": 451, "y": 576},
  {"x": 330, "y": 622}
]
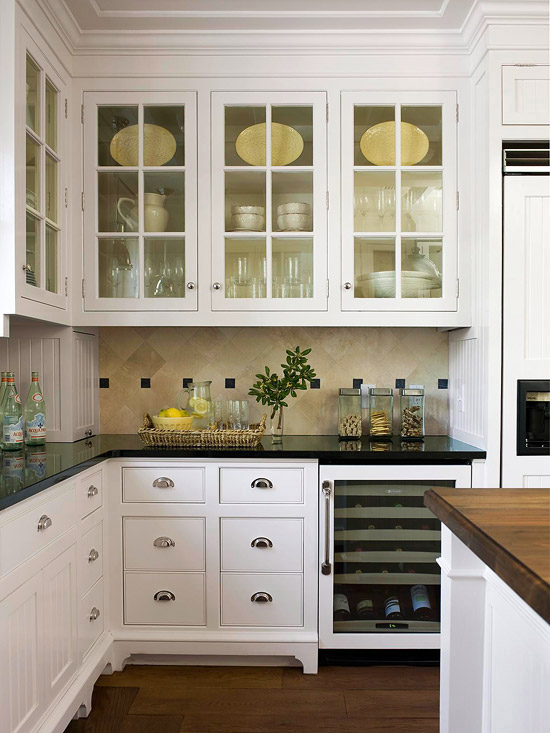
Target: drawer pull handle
[
  {"x": 43, "y": 523},
  {"x": 261, "y": 597},
  {"x": 163, "y": 482},
  {"x": 164, "y": 595},
  {"x": 94, "y": 554},
  {"x": 164, "y": 542},
  {"x": 261, "y": 542},
  {"x": 95, "y": 613},
  {"x": 92, "y": 491},
  {"x": 261, "y": 483}
]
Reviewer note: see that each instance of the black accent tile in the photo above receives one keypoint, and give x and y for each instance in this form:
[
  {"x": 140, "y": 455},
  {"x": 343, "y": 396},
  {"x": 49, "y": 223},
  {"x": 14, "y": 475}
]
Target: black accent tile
[
  {"x": 400, "y": 383},
  {"x": 442, "y": 384},
  {"x": 104, "y": 383},
  {"x": 357, "y": 383},
  {"x": 186, "y": 381},
  {"x": 229, "y": 383},
  {"x": 315, "y": 384},
  {"x": 145, "y": 383}
]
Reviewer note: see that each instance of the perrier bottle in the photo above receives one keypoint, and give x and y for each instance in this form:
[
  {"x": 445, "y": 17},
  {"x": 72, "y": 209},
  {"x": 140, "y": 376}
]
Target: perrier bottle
[{"x": 35, "y": 414}]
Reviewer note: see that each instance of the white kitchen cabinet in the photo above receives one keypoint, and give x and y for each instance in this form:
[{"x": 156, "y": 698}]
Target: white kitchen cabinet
[
  {"x": 269, "y": 201},
  {"x": 526, "y": 94},
  {"x": 399, "y": 201},
  {"x": 140, "y": 201}
]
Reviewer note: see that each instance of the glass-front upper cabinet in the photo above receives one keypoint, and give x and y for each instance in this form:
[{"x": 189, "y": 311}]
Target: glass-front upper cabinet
[
  {"x": 269, "y": 201},
  {"x": 399, "y": 201},
  {"x": 41, "y": 253},
  {"x": 140, "y": 201}
]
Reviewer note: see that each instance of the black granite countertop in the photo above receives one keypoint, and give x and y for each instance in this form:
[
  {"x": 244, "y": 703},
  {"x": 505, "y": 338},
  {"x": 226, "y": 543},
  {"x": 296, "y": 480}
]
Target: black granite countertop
[{"x": 26, "y": 473}]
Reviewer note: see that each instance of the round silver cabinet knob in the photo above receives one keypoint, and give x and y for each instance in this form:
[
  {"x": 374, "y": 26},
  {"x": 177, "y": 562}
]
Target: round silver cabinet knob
[
  {"x": 191, "y": 286},
  {"x": 217, "y": 286},
  {"x": 95, "y": 613},
  {"x": 347, "y": 286}
]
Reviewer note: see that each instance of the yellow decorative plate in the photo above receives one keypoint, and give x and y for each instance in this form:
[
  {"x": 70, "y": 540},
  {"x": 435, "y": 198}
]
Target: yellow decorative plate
[
  {"x": 378, "y": 144},
  {"x": 286, "y": 144},
  {"x": 159, "y": 145}
]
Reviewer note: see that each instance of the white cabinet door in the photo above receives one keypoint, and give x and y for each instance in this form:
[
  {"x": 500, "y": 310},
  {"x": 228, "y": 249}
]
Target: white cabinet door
[
  {"x": 269, "y": 201},
  {"x": 526, "y": 95},
  {"x": 22, "y": 657},
  {"x": 399, "y": 201},
  {"x": 140, "y": 201}
]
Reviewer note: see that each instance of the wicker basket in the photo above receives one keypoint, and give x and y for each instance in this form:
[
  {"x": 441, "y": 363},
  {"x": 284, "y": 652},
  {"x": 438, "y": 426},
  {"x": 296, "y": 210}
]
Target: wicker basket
[{"x": 201, "y": 438}]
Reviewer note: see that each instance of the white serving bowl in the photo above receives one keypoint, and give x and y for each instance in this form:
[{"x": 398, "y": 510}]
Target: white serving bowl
[
  {"x": 250, "y": 222},
  {"x": 294, "y": 222},
  {"x": 382, "y": 284},
  {"x": 294, "y": 207},
  {"x": 248, "y": 210}
]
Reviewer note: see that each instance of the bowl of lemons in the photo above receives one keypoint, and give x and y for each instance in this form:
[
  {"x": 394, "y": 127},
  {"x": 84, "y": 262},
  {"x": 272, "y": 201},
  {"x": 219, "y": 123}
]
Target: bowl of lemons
[{"x": 172, "y": 419}]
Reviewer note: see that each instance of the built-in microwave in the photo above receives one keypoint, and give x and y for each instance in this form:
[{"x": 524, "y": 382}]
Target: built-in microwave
[{"x": 533, "y": 424}]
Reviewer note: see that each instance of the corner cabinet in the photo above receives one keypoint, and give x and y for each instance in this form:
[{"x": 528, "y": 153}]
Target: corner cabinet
[
  {"x": 269, "y": 201},
  {"x": 399, "y": 201},
  {"x": 140, "y": 201}
]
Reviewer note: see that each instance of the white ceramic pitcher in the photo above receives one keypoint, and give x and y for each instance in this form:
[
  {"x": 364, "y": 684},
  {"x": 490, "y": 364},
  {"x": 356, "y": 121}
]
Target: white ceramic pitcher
[{"x": 155, "y": 216}]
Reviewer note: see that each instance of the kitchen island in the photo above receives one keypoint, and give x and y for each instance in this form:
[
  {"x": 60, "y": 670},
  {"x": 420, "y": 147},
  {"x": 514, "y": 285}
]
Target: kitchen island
[{"x": 495, "y": 598}]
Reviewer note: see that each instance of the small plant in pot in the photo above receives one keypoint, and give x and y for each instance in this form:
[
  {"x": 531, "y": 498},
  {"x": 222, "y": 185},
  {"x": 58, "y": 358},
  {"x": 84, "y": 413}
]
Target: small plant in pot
[{"x": 273, "y": 390}]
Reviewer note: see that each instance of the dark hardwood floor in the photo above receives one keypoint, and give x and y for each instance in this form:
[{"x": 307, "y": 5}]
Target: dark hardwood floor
[{"x": 175, "y": 699}]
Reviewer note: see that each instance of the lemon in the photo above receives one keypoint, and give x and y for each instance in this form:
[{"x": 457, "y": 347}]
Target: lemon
[
  {"x": 201, "y": 406},
  {"x": 172, "y": 412},
  {"x": 184, "y": 413},
  {"x": 191, "y": 402},
  {"x": 162, "y": 413}
]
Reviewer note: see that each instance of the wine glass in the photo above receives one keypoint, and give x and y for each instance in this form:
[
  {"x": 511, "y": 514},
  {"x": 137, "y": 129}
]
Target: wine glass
[{"x": 380, "y": 208}]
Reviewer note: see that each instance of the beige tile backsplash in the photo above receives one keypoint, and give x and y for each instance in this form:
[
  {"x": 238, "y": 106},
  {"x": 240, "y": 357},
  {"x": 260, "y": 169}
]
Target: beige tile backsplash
[{"x": 166, "y": 355}]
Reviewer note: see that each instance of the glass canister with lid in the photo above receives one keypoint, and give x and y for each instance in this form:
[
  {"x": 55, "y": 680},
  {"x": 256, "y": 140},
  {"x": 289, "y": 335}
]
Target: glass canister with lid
[
  {"x": 349, "y": 413},
  {"x": 411, "y": 410},
  {"x": 380, "y": 413}
]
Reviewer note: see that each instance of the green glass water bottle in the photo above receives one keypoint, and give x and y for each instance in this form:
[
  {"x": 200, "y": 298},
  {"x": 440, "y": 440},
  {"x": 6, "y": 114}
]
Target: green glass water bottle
[
  {"x": 12, "y": 417},
  {"x": 35, "y": 414}
]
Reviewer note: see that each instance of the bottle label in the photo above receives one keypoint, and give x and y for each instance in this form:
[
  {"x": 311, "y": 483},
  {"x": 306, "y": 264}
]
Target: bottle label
[
  {"x": 13, "y": 429},
  {"x": 341, "y": 602},
  {"x": 392, "y": 605},
  {"x": 38, "y": 397},
  {"x": 18, "y": 399},
  {"x": 36, "y": 428},
  {"x": 366, "y": 605},
  {"x": 419, "y": 597}
]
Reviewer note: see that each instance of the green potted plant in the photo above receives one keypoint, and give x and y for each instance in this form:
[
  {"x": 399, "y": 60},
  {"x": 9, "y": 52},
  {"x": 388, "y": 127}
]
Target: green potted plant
[{"x": 272, "y": 390}]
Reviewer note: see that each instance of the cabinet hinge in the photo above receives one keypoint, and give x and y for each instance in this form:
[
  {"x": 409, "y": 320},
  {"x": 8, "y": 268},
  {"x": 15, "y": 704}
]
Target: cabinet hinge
[
  {"x": 327, "y": 111},
  {"x": 66, "y": 197},
  {"x": 83, "y": 288},
  {"x": 328, "y": 200},
  {"x": 457, "y": 287},
  {"x": 66, "y": 286},
  {"x": 457, "y": 113},
  {"x": 82, "y": 201},
  {"x": 66, "y": 108},
  {"x": 82, "y": 113},
  {"x": 328, "y": 287},
  {"x": 457, "y": 200}
]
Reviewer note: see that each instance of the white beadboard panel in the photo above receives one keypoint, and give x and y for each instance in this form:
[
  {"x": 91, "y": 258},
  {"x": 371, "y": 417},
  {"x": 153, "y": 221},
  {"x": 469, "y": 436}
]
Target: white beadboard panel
[
  {"x": 537, "y": 277},
  {"x": 536, "y": 482},
  {"x": 526, "y": 95},
  {"x": 466, "y": 364},
  {"x": 85, "y": 378}
]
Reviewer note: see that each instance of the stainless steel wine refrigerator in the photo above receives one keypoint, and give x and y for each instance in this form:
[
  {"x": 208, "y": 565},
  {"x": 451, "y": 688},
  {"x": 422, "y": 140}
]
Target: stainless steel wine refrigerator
[{"x": 379, "y": 580}]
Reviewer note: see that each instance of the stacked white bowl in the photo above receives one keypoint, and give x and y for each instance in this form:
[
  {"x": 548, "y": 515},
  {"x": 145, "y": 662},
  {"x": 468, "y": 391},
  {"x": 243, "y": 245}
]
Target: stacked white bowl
[
  {"x": 382, "y": 284},
  {"x": 294, "y": 216},
  {"x": 248, "y": 218}
]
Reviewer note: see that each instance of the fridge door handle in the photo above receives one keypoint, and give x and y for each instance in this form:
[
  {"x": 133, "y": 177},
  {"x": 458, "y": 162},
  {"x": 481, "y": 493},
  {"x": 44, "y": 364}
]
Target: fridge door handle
[{"x": 326, "y": 567}]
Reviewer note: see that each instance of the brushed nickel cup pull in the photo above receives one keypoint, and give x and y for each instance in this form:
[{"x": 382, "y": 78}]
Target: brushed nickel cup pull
[
  {"x": 164, "y": 542},
  {"x": 95, "y": 613},
  {"x": 94, "y": 554},
  {"x": 43, "y": 523},
  {"x": 261, "y": 483},
  {"x": 326, "y": 567},
  {"x": 347, "y": 286},
  {"x": 261, "y": 597},
  {"x": 164, "y": 595},
  {"x": 163, "y": 482},
  {"x": 92, "y": 491},
  {"x": 261, "y": 542}
]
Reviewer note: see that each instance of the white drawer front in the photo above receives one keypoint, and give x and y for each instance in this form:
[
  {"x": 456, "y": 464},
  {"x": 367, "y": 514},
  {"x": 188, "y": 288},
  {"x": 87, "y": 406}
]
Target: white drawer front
[
  {"x": 164, "y": 543},
  {"x": 89, "y": 494},
  {"x": 90, "y": 558},
  {"x": 261, "y": 485},
  {"x": 262, "y": 544},
  {"x": 21, "y": 537},
  {"x": 286, "y": 607},
  {"x": 187, "y": 608},
  {"x": 165, "y": 483},
  {"x": 92, "y": 617}
]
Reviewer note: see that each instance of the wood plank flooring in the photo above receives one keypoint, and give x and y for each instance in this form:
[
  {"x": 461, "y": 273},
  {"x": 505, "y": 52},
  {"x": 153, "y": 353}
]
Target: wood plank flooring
[{"x": 175, "y": 699}]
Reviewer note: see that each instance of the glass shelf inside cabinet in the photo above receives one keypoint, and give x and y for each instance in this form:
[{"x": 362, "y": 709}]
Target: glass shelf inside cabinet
[{"x": 386, "y": 545}]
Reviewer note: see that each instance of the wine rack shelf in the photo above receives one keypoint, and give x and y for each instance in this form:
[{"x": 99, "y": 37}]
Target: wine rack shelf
[
  {"x": 387, "y": 534},
  {"x": 387, "y": 579},
  {"x": 381, "y": 625}
]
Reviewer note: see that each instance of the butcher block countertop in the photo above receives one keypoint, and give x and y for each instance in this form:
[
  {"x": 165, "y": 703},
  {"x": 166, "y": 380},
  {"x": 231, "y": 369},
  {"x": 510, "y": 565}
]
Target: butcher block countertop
[{"x": 508, "y": 529}]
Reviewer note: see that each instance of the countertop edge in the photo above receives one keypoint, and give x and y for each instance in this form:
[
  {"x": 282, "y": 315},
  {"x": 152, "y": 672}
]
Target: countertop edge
[{"x": 529, "y": 586}]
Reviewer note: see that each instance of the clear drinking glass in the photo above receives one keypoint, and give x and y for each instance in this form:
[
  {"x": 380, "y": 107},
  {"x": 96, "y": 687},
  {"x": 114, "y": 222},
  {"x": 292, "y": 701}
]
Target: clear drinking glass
[
  {"x": 215, "y": 416},
  {"x": 238, "y": 414}
]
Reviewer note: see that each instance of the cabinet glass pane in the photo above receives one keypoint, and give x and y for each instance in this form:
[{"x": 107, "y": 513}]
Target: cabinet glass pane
[
  {"x": 421, "y": 202},
  {"x": 245, "y": 268},
  {"x": 32, "y": 254},
  {"x": 245, "y": 201},
  {"x": 51, "y": 115},
  {"x": 374, "y": 135},
  {"x": 32, "y": 194},
  {"x": 118, "y": 207},
  {"x": 374, "y": 267},
  {"x": 51, "y": 259},
  {"x": 421, "y": 267},
  {"x": 118, "y": 267},
  {"x": 292, "y": 136},
  {"x": 163, "y": 136},
  {"x": 374, "y": 201},
  {"x": 32, "y": 95},
  {"x": 424, "y": 135},
  {"x": 292, "y": 202},
  {"x": 164, "y": 267},
  {"x": 292, "y": 268},
  {"x": 164, "y": 202},
  {"x": 117, "y": 136},
  {"x": 51, "y": 188},
  {"x": 245, "y": 135}
]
